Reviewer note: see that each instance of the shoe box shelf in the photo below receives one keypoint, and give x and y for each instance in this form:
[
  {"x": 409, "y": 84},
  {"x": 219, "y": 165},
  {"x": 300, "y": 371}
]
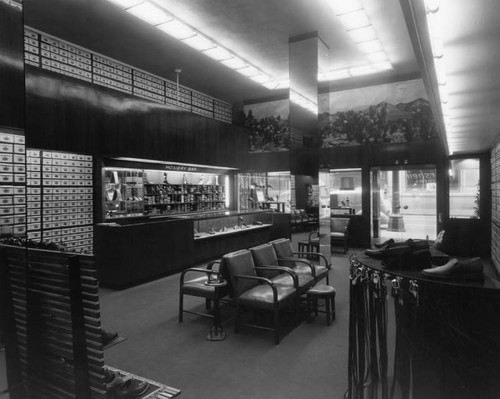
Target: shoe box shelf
[
  {"x": 175, "y": 198},
  {"x": 60, "y": 199},
  {"x": 12, "y": 185}
]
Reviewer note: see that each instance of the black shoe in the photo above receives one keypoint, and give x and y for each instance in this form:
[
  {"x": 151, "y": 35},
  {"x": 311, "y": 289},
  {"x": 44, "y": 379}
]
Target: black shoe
[
  {"x": 108, "y": 337},
  {"x": 131, "y": 388},
  {"x": 386, "y": 242}
]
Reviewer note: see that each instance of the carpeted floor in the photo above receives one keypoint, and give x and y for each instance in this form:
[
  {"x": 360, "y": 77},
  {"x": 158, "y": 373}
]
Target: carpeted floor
[{"x": 309, "y": 362}]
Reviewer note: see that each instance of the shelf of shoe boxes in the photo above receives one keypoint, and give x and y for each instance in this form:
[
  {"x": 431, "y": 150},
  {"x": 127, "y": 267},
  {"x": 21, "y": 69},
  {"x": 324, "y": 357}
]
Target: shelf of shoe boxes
[
  {"x": 12, "y": 185},
  {"x": 182, "y": 198},
  {"x": 60, "y": 207}
]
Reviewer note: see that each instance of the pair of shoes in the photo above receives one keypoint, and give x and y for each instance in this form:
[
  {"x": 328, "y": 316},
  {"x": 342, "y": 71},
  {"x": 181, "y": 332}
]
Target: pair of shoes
[
  {"x": 385, "y": 243},
  {"x": 108, "y": 337},
  {"x": 119, "y": 386},
  {"x": 467, "y": 269}
]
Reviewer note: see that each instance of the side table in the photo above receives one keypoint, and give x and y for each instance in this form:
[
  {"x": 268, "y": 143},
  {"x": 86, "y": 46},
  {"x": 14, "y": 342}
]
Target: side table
[{"x": 216, "y": 332}]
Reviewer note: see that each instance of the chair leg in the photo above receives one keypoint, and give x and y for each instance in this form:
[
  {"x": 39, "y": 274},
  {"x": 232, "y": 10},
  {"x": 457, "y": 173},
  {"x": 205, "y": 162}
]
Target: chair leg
[
  {"x": 181, "y": 307},
  {"x": 237, "y": 318},
  {"x": 328, "y": 311},
  {"x": 333, "y": 308},
  {"x": 276, "y": 326}
]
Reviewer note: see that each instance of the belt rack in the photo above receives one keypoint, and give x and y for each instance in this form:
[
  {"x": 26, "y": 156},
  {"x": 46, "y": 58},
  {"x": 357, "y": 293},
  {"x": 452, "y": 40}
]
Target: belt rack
[{"x": 53, "y": 329}]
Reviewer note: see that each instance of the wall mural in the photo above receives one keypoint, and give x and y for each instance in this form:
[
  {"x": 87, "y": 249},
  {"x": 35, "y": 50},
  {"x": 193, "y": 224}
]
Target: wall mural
[
  {"x": 269, "y": 127},
  {"x": 390, "y": 113}
]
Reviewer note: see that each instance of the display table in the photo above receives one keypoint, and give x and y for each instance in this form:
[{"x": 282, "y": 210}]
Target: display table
[{"x": 447, "y": 334}]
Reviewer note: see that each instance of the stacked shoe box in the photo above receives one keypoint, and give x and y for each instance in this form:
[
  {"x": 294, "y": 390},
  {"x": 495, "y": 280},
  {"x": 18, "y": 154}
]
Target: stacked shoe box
[
  {"x": 12, "y": 185},
  {"x": 64, "y": 185}
]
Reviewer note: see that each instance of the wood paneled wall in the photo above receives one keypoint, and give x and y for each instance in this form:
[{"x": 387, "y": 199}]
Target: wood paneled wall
[
  {"x": 69, "y": 115},
  {"x": 11, "y": 67}
]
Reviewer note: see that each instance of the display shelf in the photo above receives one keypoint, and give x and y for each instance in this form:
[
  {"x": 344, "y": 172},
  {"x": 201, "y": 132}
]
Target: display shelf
[
  {"x": 229, "y": 230},
  {"x": 60, "y": 199},
  {"x": 156, "y": 192},
  {"x": 12, "y": 185}
]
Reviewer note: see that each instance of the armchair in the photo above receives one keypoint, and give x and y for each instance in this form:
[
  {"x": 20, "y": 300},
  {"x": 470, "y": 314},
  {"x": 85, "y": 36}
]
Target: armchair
[
  {"x": 265, "y": 255},
  {"x": 339, "y": 232},
  {"x": 284, "y": 250},
  {"x": 197, "y": 286},
  {"x": 254, "y": 292}
]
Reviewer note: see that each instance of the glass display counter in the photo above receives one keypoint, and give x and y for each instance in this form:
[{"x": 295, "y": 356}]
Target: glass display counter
[{"x": 143, "y": 191}]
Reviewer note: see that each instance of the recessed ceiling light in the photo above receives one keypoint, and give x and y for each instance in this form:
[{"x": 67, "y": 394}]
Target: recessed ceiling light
[
  {"x": 261, "y": 78},
  {"x": 150, "y": 13},
  {"x": 364, "y": 34},
  {"x": 234, "y": 63},
  {"x": 126, "y": 3},
  {"x": 375, "y": 58},
  {"x": 334, "y": 75},
  {"x": 248, "y": 71},
  {"x": 382, "y": 66},
  {"x": 218, "y": 53},
  {"x": 199, "y": 42},
  {"x": 177, "y": 29},
  {"x": 343, "y": 6},
  {"x": 354, "y": 20},
  {"x": 370, "y": 46},
  {"x": 362, "y": 70}
]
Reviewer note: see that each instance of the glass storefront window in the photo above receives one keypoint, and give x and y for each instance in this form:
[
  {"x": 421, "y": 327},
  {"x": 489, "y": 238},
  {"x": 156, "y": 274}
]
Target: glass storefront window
[
  {"x": 464, "y": 188},
  {"x": 344, "y": 187},
  {"x": 264, "y": 190}
]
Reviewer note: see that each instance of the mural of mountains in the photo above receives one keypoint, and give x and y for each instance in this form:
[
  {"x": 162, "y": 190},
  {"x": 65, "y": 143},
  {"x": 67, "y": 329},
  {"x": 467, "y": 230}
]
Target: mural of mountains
[{"x": 380, "y": 123}]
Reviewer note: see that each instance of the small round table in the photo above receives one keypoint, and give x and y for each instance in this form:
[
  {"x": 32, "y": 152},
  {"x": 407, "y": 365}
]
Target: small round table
[{"x": 216, "y": 332}]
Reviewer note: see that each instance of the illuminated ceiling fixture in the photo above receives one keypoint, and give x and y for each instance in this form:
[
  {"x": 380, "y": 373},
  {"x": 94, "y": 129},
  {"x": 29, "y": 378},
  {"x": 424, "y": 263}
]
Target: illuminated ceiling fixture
[
  {"x": 150, "y": 12},
  {"x": 434, "y": 25},
  {"x": 356, "y": 22}
]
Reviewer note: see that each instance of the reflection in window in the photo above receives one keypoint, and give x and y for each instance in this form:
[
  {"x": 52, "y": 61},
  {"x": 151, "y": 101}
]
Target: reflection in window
[
  {"x": 265, "y": 190},
  {"x": 464, "y": 188},
  {"x": 345, "y": 191}
]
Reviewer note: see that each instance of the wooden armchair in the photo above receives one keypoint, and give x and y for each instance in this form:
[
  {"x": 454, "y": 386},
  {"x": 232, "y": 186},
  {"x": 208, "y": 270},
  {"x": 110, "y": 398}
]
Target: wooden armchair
[{"x": 339, "y": 232}]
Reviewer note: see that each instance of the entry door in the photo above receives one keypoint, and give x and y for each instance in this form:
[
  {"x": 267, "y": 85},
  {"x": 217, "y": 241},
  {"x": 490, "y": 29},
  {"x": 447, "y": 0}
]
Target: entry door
[{"x": 403, "y": 203}]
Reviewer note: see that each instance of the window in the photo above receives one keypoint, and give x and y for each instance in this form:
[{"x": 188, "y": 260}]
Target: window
[{"x": 464, "y": 188}]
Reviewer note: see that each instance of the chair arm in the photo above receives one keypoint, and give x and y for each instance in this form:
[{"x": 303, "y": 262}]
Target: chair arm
[
  {"x": 320, "y": 255},
  {"x": 196, "y": 270},
  {"x": 283, "y": 269},
  {"x": 215, "y": 262},
  {"x": 261, "y": 279},
  {"x": 300, "y": 260}
]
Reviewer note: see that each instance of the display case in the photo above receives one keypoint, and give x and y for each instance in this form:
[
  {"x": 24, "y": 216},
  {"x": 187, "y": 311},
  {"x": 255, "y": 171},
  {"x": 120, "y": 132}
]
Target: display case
[{"x": 146, "y": 191}]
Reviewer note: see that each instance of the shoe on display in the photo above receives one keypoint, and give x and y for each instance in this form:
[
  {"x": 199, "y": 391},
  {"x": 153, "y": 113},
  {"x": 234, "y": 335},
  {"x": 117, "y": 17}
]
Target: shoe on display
[
  {"x": 108, "y": 337},
  {"x": 113, "y": 379},
  {"x": 132, "y": 388},
  {"x": 466, "y": 269},
  {"x": 385, "y": 243}
]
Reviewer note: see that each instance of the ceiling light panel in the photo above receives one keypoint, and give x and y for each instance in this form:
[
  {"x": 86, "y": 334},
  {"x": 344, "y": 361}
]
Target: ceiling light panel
[
  {"x": 150, "y": 13},
  {"x": 362, "y": 70},
  {"x": 378, "y": 57},
  {"x": 234, "y": 63},
  {"x": 354, "y": 20},
  {"x": 155, "y": 15},
  {"x": 126, "y": 3},
  {"x": 199, "y": 42},
  {"x": 370, "y": 46},
  {"x": 345, "y": 6},
  {"x": 218, "y": 53},
  {"x": 177, "y": 29},
  {"x": 364, "y": 34}
]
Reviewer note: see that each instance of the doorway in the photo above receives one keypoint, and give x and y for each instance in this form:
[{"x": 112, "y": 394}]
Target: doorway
[{"x": 403, "y": 203}]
